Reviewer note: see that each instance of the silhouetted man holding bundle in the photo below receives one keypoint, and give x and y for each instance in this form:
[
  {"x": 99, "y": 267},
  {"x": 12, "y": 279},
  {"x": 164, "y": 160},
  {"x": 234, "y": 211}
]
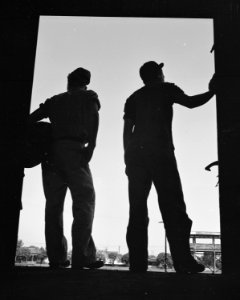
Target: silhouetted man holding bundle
[
  {"x": 74, "y": 119},
  {"x": 149, "y": 158}
]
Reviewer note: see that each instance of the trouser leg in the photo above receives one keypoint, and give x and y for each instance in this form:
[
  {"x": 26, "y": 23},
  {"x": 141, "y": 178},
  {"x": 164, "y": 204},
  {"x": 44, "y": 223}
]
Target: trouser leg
[
  {"x": 173, "y": 209},
  {"x": 137, "y": 231},
  {"x": 55, "y": 191},
  {"x": 83, "y": 196}
]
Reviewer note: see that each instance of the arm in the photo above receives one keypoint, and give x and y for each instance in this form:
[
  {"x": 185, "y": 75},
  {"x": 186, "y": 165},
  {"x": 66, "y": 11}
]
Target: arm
[
  {"x": 36, "y": 116},
  {"x": 129, "y": 120},
  {"x": 93, "y": 130},
  {"x": 196, "y": 100},
  {"x": 127, "y": 132},
  {"x": 200, "y": 99},
  {"x": 92, "y": 133},
  {"x": 40, "y": 113}
]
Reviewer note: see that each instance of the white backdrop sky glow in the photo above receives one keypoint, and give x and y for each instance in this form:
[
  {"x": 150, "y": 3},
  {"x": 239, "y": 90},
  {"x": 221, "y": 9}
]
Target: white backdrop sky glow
[{"x": 113, "y": 49}]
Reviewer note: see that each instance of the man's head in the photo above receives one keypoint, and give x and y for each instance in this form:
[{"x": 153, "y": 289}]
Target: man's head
[
  {"x": 151, "y": 71},
  {"x": 79, "y": 77}
]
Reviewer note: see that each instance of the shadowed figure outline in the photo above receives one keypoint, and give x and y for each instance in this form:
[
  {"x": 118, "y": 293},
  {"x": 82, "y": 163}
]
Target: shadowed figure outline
[
  {"x": 150, "y": 159},
  {"x": 74, "y": 121}
]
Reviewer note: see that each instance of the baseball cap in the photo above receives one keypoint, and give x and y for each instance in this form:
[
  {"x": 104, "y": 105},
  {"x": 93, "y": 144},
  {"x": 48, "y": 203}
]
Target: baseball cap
[
  {"x": 79, "y": 76},
  {"x": 150, "y": 70}
]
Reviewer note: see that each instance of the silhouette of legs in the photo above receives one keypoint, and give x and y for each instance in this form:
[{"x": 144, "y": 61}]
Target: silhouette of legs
[
  {"x": 137, "y": 231},
  {"x": 152, "y": 164},
  {"x": 83, "y": 196},
  {"x": 55, "y": 191},
  {"x": 172, "y": 206},
  {"x": 69, "y": 170}
]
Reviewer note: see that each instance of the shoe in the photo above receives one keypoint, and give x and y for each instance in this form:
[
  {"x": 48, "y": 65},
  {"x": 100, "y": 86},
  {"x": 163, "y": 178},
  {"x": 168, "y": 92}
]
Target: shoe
[
  {"x": 192, "y": 267},
  {"x": 94, "y": 265},
  {"x": 63, "y": 265}
]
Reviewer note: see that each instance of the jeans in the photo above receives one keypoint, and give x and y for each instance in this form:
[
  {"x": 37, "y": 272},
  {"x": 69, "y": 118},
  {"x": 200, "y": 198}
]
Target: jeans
[
  {"x": 68, "y": 169},
  {"x": 146, "y": 165}
]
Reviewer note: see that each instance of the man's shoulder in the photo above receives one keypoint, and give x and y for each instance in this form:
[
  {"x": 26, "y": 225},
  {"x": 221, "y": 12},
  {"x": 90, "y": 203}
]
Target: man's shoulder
[
  {"x": 171, "y": 86},
  {"x": 156, "y": 87},
  {"x": 92, "y": 97},
  {"x": 58, "y": 96},
  {"x": 91, "y": 93},
  {"x": 53, "y": 100},
  {"x": 168, "y": 84},
  {"x": 136, "y": 94}
]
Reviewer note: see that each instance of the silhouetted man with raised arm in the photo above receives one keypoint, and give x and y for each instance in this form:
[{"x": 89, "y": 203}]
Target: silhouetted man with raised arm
[
  {"x": 74, "y": 119},
  {"x": 149, "y": 158}
]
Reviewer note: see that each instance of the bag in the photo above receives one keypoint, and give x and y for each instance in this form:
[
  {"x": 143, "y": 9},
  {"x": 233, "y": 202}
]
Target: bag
[{"x": 37, "y": 144}]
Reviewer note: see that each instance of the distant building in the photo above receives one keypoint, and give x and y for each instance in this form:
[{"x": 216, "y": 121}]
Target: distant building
[
  {"x": 201, "y": 242},
  {"x": 30, "y": 255}
]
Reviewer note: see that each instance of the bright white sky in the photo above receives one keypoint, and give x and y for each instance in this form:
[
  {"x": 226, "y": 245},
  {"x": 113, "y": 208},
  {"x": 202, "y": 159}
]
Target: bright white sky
[{"x": 113, "y": 49}]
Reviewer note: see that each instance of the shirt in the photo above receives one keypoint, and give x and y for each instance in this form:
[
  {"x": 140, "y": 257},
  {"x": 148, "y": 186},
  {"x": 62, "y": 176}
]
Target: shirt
[
  {"x": 150, "y": 109},
  {"x": 69, "y": 113}
]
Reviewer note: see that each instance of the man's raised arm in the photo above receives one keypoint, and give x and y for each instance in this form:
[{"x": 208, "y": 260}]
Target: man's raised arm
[{"x": 200, "y": 99}]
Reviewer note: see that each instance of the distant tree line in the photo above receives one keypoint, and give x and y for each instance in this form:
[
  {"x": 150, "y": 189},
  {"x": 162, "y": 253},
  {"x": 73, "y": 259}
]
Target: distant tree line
[
  {"x": 39, "y": 254},
  {"x": 158, "y": 261},
  {"x": 109, "y": 257},
  {"x": 211, "y": 262},
  {"x": 31, "y": 253}
]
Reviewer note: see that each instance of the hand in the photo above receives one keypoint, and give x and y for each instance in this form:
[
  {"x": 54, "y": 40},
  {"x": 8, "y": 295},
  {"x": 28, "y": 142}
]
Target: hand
[{"x": 87, "y": 153}]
